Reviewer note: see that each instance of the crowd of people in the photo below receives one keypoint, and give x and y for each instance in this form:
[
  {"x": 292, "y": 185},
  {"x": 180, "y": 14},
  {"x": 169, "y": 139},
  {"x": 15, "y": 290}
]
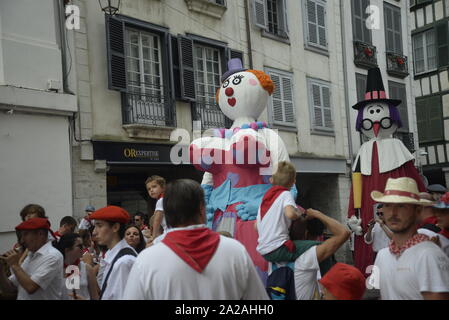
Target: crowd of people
[{"x": 110, "y": 255}]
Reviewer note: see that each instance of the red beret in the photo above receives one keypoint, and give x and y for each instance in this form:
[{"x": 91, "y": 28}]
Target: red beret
[
  {"x": 111, "y": 213},
  {"x": 345, "y": 282},
  {"x": 34, "y": 224}
]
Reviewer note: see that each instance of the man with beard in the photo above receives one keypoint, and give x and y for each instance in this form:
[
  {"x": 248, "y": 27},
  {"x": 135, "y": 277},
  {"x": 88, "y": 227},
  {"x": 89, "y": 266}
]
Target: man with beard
[{"x": 412, "y": 267}]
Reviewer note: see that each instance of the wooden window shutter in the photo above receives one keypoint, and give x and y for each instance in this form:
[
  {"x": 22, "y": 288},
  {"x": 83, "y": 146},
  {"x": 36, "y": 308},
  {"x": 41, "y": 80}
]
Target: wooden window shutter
[
  {"x": 287, "y": 95},
  {"x": 312, "y": 22},
  {"x": 115, "y": 31},
  {"x": 176, "y": 67},
  {"x": 422, "y": 122},
  {"x": 278, "y": 112},
  {"x": 187, "y": 73},
  {"x": 260, "y": 13},
  {"x": 327, "y": 112},
  {"x": 443, "y": 44},
  {"x": 321, "y": 24},
  {"x": 317, "y": 106},
  {"x": 435, "y": 125}
]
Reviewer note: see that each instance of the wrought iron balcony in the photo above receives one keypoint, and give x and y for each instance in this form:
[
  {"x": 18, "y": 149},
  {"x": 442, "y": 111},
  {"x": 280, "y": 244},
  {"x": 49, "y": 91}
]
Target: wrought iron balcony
[
  {"x": 365, "y": 55},
  {"x": 408, "y": 140},
  {"x": 210, "y": 115},
  {"x": 152, "y": 108},
  {"x": 397, "y": 65}
]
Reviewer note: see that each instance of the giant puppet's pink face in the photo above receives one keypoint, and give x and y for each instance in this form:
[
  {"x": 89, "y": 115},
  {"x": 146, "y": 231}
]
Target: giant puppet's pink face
[{"x": 241, "y": 95}]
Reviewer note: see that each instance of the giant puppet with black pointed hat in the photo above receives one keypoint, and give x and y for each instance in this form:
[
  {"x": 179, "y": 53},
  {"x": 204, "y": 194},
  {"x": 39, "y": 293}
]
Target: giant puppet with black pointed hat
[
  {"x": 238, "y": 161},
  {"x": 378, "y": 159}
]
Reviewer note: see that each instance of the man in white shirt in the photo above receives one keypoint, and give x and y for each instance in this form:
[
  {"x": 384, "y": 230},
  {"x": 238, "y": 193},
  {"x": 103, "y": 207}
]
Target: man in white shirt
[
  {"x": 378, "y": 233},
  {"x": 192, "y": 262},
  {"x": 86, "y": 222},
  {"x": 412, "y": 267},
  {"x": 110, "y": 227},
  {"x": 307, "y": 266},
  {"x": 40, "y": 275}
]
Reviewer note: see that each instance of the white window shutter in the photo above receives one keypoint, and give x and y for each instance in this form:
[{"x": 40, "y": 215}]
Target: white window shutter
[
  {"x": 321, "y": 24},
  {"x": 317, "y": 105},
  {"x": 278, "y": 114},
  {"x": 312, "y": 32},
  {"x": 260, "y": 13},
  {"x": 327, "y": 113},
  {"x": 287, "y": 92}
]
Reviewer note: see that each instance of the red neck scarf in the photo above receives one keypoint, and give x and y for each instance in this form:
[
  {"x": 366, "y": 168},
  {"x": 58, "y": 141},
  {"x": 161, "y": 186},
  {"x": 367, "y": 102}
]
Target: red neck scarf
[
  {"x": 445, "y": 233},
  {"x": 269, "y": 198},
  {"x": 196, "y": 246},
  {"x": 398, "y": 251}
]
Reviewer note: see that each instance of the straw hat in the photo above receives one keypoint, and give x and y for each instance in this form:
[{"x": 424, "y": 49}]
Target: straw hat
[{"x": 400, "y": 190}]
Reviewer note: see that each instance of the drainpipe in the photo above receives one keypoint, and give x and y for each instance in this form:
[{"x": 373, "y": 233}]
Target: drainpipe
[
  {"x": 345, "y": 76},
  {"x": 62, "y": 39},
  {"x": 248, "y": 35}
]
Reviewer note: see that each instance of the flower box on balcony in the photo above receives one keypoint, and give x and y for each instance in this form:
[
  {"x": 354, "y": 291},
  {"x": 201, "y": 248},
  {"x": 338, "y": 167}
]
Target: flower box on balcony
[
  {"x": 397, "y": 65},
  {"x": 365, "y": 55}
]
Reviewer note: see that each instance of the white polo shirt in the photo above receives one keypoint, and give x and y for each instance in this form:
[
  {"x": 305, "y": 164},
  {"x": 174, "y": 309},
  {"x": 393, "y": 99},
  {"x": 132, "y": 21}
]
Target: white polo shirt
[
  {"x": 119, "y": 275},
  {"x": 274, "y": 227},
  {"x": 379, "y": 238},
  {"x": 421, "y": 268},
  {"x": 45, "y": 268},
  {"x": 159, "y": 274},
  {"x": 307, "y": 273}
]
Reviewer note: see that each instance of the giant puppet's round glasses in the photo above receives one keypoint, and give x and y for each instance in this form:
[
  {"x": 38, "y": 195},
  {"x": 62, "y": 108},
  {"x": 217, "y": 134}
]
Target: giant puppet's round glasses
[{"x": 385, "y": 123}]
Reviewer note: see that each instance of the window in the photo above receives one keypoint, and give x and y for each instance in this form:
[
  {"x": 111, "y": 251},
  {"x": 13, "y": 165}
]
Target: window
[
  {"x": 207, "y": 75},
  {"x": 271, "y": 16},
  {"x": 220, "y": 2},
  {"x": 359, "y": 16},
  {"x": 425, "y": 51},
  {"x": 398, "y": 91},
  {"x": 320, "y": 105},
  {"x": 139, "y": 67},
  {"x": 429, "y": 118},
  {"x": 393, "y": 33},
  {"x": 282, "y": 108},
  {"x": 315, "y": 18},
  {"x": 144, "y": 77}
]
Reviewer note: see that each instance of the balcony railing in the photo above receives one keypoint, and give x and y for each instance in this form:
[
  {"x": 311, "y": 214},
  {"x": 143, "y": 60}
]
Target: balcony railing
[
  {"x": 365, "y": 55},
  {"x": 210, "y": 115},
  {"x": 153, "y": 109},
  {"x": 408, "y": 140},
  {"x": 397, "y": 65}
]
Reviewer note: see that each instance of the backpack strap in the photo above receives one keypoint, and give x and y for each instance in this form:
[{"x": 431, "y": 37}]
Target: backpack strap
[{"x": 124, "y": 252}]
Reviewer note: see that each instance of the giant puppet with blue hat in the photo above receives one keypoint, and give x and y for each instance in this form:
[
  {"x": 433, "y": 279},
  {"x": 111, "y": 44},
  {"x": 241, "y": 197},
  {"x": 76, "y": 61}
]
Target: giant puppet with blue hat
[
  {"x": 238, "y": 161},
  {"x": 378, "y": 159}
]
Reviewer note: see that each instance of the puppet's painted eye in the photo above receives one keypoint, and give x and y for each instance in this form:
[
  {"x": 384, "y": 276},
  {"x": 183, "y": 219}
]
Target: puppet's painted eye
[
  {"x": 378, "y": 110},
  {"x": 226, "y": 83},
  {"x": 237, "y": 79},
  {"x": 372, "y": 112}
]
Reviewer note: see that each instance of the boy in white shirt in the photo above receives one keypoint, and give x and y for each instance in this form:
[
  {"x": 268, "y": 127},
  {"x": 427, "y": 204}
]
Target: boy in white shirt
[{"x": 155, "y": 186}]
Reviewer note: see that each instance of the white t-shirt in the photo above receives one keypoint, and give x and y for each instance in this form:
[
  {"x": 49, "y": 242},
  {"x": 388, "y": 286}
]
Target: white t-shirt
[
  {"x": 274, "y": 227},
  {"x": 159, "y": 274},
  {"x": 379, "y": 238},
  {"x": 84, "y": 224},
  {"x": 307, "y": 273},
  {"x": 443, "y": 240},
  {"x": 421, "y": 268},
  {"x": 45, "y": 268},
  {"x": 119, "y": 275},
  {"x": 160, "y": 207},
  {"x": 84, "y": 284}
]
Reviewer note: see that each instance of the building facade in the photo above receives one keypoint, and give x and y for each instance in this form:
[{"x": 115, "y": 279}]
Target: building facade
[
  {"x": 377, "y": 35},
  {"x": 36, "y": 111},
  {"x": 429, "y": 25},
  {"x": 155, "y": 67}
]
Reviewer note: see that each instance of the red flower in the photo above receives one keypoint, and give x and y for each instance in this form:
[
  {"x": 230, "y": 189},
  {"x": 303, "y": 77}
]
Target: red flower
[
  {"x": 400, "y": 61},
  {"x": 368, "y": 52}
]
